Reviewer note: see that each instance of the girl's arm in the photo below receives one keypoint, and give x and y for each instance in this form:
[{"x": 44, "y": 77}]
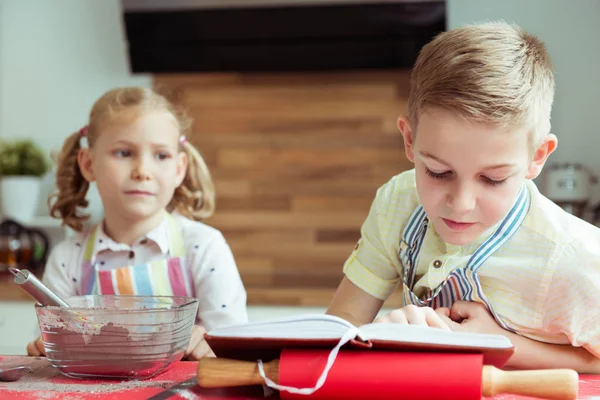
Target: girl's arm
[
  {"x": 218, "y": 284},
  {"x": 61, "y": 274},
  {"x": 58, "y": 276},
  {"x": 219, "y": 287}
]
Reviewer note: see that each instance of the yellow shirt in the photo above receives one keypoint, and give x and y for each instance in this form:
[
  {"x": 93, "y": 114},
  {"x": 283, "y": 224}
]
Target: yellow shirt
[{"x": 544, "y": 283}]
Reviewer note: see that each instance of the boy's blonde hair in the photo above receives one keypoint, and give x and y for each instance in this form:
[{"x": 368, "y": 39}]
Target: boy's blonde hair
[
  {"x": 493, "y": 73},
  {"x": 194, "y": 198}
]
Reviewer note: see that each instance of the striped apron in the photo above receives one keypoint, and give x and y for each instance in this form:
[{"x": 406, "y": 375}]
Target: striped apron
[
  {"x": 462, "y": 283},
  {"x": 169, "y": 276}
]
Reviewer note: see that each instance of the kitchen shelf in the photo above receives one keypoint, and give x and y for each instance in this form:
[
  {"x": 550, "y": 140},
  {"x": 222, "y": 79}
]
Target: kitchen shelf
[{"x": 44, "y": 222}]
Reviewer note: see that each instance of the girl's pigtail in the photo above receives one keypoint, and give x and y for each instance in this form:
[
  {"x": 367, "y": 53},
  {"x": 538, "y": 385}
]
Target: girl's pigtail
[
  {"x": 195, "y": 197},
  {"x": 71, "y": 186}
]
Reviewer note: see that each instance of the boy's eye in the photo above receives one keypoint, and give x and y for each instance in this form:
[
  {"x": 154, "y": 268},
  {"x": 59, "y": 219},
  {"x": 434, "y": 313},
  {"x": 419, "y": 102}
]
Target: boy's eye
[
  {"x": 448, "y": 174},
  {"x": 438, "y": 175},
  {"x": 122, "y": 153},
  {"x": 492, "y": 182}
]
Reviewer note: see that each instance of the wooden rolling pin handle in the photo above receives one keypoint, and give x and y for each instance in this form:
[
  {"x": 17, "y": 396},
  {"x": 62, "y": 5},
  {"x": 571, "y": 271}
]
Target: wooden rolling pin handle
[
  {"x": 551, "y": 384},
  {"x": 223, "y": 372}
]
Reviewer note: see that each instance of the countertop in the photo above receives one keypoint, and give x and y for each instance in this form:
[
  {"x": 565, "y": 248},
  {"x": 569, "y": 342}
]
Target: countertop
[{"x": 45, "y": 382}]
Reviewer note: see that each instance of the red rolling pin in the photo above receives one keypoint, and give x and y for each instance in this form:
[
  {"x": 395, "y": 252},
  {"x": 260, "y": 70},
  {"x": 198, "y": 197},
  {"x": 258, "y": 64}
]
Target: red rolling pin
[{"x": 390, "y": 375}]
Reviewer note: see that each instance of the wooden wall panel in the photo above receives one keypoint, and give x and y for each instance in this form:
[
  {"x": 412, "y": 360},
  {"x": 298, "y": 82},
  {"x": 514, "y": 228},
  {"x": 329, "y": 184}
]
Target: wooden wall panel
[{"x": 296, "y": 159}]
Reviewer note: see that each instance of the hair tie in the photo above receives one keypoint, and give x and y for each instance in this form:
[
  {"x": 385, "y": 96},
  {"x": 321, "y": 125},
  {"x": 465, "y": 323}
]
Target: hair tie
[
  {"x": 83, "y": 131},
  {"x": 182, "y": 140}
]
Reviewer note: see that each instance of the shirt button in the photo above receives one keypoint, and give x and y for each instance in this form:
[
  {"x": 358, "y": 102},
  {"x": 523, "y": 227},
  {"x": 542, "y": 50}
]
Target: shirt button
[
  {"x": 437, "y": 264},
  {"x": 131, "y": 254}
]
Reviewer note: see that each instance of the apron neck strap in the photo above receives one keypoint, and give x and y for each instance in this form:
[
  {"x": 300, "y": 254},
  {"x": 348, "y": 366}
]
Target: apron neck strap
[
  {"x": 176, "y": 244},
  {"x": 507, "y": 228}
]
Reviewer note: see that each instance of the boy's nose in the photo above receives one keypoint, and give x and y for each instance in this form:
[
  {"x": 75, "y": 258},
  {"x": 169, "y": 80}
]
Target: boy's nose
[{"x": 461, "y": 200}]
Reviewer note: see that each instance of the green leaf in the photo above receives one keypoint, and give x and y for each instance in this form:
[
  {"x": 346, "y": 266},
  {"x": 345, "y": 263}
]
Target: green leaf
[{"x": 22, "y": 157}]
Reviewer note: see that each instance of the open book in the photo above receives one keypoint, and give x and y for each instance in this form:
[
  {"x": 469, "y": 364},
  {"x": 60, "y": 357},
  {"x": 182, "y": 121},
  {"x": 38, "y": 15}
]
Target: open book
[{"x": 265, "y": 339}]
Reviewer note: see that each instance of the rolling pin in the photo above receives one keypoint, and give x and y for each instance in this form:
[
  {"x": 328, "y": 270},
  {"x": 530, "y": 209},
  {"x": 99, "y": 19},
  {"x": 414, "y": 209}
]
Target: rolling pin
[{"x": 390, "y": 375}]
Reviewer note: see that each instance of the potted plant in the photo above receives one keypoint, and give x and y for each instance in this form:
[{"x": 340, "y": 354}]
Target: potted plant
[{"x": 22, "y": 166}]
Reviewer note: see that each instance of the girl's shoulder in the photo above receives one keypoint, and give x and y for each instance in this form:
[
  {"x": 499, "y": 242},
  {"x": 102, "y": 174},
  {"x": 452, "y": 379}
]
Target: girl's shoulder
[
  {"x": 71, "y": 249},
  {"x": 196, "y": 231}
]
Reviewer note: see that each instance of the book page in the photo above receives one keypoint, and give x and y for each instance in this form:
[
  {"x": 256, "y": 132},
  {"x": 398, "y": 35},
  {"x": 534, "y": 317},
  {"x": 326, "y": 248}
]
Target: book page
[
  {"x": 430, "y": 335},
  {"x": 311, "y": 326}
]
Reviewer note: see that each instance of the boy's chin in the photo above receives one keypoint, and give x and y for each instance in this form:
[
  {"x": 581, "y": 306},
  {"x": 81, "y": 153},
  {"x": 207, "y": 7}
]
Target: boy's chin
[{"x": 457, "y": 238}]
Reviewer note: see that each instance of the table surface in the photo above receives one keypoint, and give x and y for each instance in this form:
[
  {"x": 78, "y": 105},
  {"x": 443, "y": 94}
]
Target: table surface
[{"x": 45, "y": 382}]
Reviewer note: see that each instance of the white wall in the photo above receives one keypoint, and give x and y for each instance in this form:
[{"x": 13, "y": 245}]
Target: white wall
[
  {"x": 56, "y": 58},
  {"x": 571, "y": 31}
]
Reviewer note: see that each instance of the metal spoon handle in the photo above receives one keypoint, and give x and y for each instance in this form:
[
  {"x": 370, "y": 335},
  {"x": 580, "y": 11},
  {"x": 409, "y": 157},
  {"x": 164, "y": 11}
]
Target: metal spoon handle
[{"x": 36, "y": 289}]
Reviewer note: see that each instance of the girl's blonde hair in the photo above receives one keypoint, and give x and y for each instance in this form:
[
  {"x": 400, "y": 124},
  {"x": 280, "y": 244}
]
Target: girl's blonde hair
[
  {"x": 194, "y": 198},
  {"x": 492, "y": 72}
]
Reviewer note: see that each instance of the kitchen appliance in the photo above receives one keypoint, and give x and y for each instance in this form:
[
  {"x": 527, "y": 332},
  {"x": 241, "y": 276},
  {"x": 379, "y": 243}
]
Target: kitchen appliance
[
  {"x": 22, "y": 247},
  {"x": 569, "y": 186}
]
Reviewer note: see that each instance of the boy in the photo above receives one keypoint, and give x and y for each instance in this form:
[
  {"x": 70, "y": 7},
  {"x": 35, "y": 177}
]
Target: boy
[{"x": 466, "y": 234}]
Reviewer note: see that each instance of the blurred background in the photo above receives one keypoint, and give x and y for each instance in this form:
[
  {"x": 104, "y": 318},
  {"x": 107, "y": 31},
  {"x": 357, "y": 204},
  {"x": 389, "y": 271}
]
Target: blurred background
[{"x": 294, "y": 104}]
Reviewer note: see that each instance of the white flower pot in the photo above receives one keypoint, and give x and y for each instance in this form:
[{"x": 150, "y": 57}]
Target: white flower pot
[{"x": 19, "y": 196}]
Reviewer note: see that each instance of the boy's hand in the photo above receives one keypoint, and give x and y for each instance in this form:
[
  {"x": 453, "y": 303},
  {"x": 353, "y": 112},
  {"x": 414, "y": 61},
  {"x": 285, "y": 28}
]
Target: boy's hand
[
  {"x": 469, "y": 316},
  {"x": 36, "y": 348},
  {"x": 198, "y": 348},
  {"x": 414, "y": 315}
]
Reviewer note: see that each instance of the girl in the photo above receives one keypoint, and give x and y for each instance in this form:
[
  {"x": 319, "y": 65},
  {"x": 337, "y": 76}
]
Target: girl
[{"x": 155, "y": 188}]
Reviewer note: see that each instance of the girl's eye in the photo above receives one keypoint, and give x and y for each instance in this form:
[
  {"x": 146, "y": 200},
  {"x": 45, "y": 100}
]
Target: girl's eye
[
  {"x": 492, "y": 182},
  {"x": 438, "y": 175},
  {"x": 163, "y": 156},
  {"x": 122, "y": 153}
]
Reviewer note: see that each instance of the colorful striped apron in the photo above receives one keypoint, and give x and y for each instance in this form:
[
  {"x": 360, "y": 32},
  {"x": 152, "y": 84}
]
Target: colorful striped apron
[
  {"x": 163, "y": 277},
  {"x": 462, "y": 283}
]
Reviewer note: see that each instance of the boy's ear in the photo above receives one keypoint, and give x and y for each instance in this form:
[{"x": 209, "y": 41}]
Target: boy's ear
[
  {"x": 541, "y": 155},
  {"x": 182, "y": 164},
  {"x": 406, "y": 131},
  {"x": 84, "y": 159}
]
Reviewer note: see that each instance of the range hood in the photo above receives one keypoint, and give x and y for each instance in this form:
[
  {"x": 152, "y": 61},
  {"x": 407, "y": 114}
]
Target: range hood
[{"x": 277, "y": 35}]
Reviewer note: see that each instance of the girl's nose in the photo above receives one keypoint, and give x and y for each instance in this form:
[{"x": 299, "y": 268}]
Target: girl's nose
[{"x": 140, "y": 171}]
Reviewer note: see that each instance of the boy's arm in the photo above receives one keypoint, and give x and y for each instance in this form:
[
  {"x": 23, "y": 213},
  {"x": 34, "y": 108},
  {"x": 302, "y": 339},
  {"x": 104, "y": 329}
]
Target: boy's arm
[
  {"x": 371, "y": 270},
  {"x": 531, "y": 354},
  {"x": 465, "y": 316},
  {"x": 354, "y": 304},
  {"x": 572, "y": 304}
]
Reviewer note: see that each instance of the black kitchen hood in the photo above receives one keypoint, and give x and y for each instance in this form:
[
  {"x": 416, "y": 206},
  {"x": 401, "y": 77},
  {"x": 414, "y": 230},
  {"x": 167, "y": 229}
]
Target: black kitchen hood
[{"x": 181, "y": 36}]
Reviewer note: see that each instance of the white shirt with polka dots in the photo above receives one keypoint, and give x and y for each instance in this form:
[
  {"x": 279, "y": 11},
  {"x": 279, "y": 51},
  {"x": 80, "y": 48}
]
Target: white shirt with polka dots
[{"x": 216, "y": 279}]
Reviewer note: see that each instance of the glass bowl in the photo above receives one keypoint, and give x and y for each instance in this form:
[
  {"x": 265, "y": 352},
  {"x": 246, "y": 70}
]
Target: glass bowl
[{"x": 113, "y": 336}]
